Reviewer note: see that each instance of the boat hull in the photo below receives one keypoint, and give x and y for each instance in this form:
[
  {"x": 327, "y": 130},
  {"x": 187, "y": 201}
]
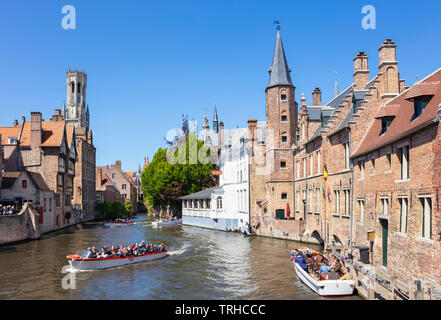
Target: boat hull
[
  {"x": 118, "y": 224},
  {"x": 166, "y": 223},
  {"x": 106, "y": 263},
  {"x": 326, "y": 287}
]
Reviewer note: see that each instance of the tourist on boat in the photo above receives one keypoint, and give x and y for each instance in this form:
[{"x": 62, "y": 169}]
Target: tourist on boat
[
  {"x": 300, "y": 260},
  {"x": 346, "y": 275},
  {"x": 89, "y": 254}
]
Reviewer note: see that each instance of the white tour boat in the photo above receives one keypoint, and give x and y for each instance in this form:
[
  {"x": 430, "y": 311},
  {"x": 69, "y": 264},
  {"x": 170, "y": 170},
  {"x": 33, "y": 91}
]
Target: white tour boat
[
  {"x": 323, "y": 287},
  {"x": 118, "y": 224},
  {"x": 164, "y": 223},
  {"x": 80, "y": 263}
]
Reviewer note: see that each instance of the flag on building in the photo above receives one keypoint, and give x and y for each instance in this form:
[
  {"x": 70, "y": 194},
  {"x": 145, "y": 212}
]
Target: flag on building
[
  {"x": 288, "y": 210},
  {"x": 329, "y": 195},
  {"x": 325, "y": 174}
]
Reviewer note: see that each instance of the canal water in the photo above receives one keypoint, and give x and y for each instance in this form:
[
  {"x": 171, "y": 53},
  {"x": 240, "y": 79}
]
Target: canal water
[{"x": 203, "y": 264}]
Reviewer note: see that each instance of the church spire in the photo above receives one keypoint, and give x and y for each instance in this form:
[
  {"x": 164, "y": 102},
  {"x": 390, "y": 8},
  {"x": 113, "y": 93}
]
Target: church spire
[
  {"x": 215, "y": 120},
  {"x": 279, "y": 71}
]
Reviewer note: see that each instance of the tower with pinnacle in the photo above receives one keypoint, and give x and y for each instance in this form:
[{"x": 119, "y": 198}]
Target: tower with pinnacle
[{"x": 75, "y": 110}]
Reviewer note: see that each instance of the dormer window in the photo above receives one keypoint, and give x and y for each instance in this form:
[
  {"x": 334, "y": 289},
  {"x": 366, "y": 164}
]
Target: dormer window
[
  {"x": 419, "y": 103},
  {"x": 385, "y": 124},
  {"x": 12, "y": 140},
  {"x": 283, "y": 96}
]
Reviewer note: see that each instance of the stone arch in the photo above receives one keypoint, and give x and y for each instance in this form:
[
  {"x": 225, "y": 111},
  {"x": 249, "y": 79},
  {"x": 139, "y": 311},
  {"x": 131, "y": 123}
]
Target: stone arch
[{"x": 316, "y": 235}]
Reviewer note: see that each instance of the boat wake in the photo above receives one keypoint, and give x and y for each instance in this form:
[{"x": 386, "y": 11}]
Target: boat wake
[{"x": 179, "y": 251}]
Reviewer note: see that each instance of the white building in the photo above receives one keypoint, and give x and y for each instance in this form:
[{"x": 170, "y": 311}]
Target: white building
[{"x": 225, "y": 207}]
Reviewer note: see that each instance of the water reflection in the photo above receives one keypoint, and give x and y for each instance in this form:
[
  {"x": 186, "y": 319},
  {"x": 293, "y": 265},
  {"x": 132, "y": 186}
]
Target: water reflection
[{"x": 203, "y": 264}]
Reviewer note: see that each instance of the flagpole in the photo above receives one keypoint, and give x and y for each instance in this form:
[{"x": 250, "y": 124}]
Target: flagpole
[{"x": 326, "y": 200}]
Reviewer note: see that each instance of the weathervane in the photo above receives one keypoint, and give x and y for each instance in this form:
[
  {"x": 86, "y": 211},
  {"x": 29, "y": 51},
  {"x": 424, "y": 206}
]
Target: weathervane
[{"x": 276, "y": 22}]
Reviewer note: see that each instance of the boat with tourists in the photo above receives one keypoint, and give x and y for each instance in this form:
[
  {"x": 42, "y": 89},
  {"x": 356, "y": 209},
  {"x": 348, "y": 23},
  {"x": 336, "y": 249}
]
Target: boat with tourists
[
  {"x": 165, "y": 223},
  {"x": 119, "y": 223},
  {"x": 116, "y": 257},
  {"x": 326, "y": 277}
]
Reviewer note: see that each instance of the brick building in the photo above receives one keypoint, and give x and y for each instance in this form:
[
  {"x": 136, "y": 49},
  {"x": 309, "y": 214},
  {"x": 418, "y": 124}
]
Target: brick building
[
  {"x": 46, "y": 148},
  {"x": 105, "y": 190},
  {"x": 122, "y": 182}
]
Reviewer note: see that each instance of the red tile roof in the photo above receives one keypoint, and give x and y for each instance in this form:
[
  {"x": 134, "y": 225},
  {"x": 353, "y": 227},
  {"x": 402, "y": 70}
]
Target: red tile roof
[{"x": 402, "y": 109}]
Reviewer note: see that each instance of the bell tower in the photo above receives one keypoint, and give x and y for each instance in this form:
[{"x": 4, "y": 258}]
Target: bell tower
[{"x": 76, "y": 111}]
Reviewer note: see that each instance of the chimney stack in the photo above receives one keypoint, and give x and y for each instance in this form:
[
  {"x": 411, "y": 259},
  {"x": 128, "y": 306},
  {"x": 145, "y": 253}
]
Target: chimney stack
[
  {"x": 15, "y": 123},
  {"x": 252, "y": 130},
  {"x": 36, "y": 129},
  {"x": 118, "y": 164},
  {"x": 303, "y": 101},
  {"x": 361, "y": 71},
  {"x": 388, "y": 70},
  {"x": 316, "y": 97}
]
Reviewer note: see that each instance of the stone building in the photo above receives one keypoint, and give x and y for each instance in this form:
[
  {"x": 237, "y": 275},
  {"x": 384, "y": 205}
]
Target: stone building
[{"x": 76, "y": 113}]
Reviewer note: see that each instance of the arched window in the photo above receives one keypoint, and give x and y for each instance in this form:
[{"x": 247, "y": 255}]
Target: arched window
[
  {"x": 219, "y": 203},
  {"x": 72, "y": 85},
  {"x": 79, "y": 87},
  {"x": 283, "y": 96}
]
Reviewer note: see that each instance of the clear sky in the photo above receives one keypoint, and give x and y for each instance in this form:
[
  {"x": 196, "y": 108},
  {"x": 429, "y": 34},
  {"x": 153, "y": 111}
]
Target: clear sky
[{"x": 148, "y": 62}]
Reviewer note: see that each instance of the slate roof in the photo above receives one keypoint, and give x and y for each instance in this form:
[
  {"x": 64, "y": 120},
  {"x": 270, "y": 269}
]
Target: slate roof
[
  {"x": 204, "y": 194},
  {"x": 279, "y": 71}
]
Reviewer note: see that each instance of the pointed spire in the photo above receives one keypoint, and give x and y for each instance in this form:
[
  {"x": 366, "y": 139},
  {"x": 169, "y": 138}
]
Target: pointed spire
[
  {"x": 336, "y": 88},
  {"x": 279, "y": 71},
  {"x": 215, "y": 120}
]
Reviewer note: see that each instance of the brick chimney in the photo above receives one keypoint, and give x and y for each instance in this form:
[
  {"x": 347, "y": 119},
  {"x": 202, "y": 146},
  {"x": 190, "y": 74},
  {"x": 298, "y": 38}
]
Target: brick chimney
[
  {"x": 36, "y": 129},
  {"x": 361, "y": 71},
  {"x": 118, "y": 164},
  {"x": 388, "y": 71},
  {"x": 57, "y": 115},
  {"x": 317, "y": 97}
]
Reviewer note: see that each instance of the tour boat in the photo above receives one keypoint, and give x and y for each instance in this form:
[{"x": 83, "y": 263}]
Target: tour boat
[
  {"x": 118, "y": 224},
  {"x": 323, "y": 287},
  {"x": 163, "y": 223},
  {"x": 80, "y": 263}
]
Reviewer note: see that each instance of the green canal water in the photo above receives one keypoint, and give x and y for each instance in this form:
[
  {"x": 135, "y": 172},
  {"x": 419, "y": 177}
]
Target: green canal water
[{"x": 203, "y": 264}]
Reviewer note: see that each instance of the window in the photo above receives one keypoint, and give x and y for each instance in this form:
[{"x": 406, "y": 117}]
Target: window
[
  {"x": 79, "y": 87},
  {"x": 208, "y": 203},
  {"x": 347, "y": 202},
  {"x": 403, "y": 214},
  {"x": 337, "y": 202},
  {"x": 283, "y": 164},
  {"x": 12, "y": 140},
  {"x": 60, "y": 181},
  {"x": 113, "y": 176},
  {"x": 346, "y": 147},
  {"x": 317, "y": 193},
  {"x": 219, "y": 202},
  {"x": 185, "y": 203},
  {"x": 426, "y": 223},
  {"x": 196, "y": 204},
  {"x": 124, "y": 196},
  {"x": 72, "y": 85},
  {"x": 298, "y": 169},
  {"x": 283, "y": 96},
  {"x": 50, "y": 204},
  {"x": 190, "y": 204},
  {"x": 361, "y": 208},
  {"x": 311, "y": 164},
  {"x": 419, "y": 104},
  {"x": 385, "y": 203},
  {"x": 403, "y": 154},
  {"x": 319, "y": 154},
  {"x": 284, "y": 196},
  {"x": 68, "y": 200},
  {"x": 284, "y": 118},
  {"x": 284, "y": 139},
  {"x": 61, "y": 164},
  {"x": 385, "y": 124},
  {"x": 304, "y": 167},
  {"x": 124, "y": 187},
  {"x": 57, "y": 200},
  {"x": 24, "y": 184}
]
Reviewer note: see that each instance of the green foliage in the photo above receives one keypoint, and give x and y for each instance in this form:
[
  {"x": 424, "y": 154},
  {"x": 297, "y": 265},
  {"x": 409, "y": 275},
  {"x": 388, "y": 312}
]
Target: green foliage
[
  {"x": 164, "y": 182},
  {"x": 128, "y": 207},
  {"x": 112, "y": 210}
]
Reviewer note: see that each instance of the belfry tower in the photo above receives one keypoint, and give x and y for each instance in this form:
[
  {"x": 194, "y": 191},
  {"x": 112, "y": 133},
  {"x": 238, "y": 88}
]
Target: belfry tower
[{"x": 75, "y": 110}]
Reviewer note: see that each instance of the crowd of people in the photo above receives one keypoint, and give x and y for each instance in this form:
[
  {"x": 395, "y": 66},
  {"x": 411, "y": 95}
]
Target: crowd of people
[
  {"x": 122, "y": 220},
  {"x": 7, "y": 210},
  {"x": 136, "y": 249},
  {"x": 328, "y": 267}
]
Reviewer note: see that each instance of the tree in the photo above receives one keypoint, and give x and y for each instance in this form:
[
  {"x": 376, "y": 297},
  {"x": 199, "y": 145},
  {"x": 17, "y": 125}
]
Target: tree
[
  {"x": 164, "y": 181},
  {"x": 112, "y": 210}
]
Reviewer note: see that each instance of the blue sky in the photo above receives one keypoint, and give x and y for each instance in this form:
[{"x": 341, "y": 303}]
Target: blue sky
[{"x": 148, "y": 62}]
